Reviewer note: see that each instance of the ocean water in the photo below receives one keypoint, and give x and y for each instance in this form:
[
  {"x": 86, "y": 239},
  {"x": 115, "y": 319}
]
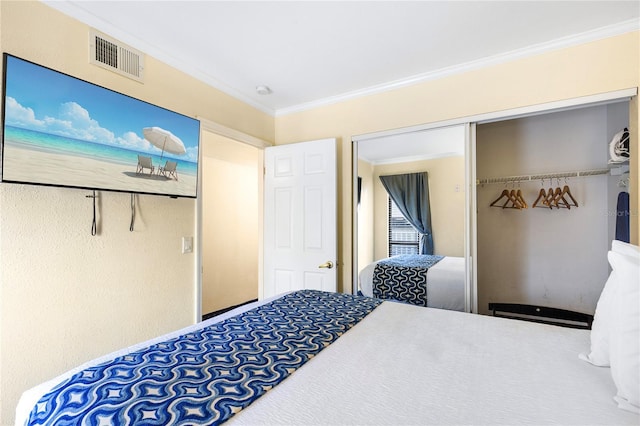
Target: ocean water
[{"x": 45, "y": 142}]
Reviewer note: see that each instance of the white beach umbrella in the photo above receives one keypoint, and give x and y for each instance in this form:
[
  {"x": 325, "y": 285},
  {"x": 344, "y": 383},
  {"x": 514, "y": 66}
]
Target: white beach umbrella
[{"x": 165, "y": 140}]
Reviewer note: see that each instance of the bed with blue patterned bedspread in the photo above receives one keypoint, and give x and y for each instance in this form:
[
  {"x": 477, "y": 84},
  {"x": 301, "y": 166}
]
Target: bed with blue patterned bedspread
[
  {"x": 208, "y": 375},
  {"x": 400, "y": 364},
  {"x": 404, "y": 278},
  {"x": 436, "y": 285}
]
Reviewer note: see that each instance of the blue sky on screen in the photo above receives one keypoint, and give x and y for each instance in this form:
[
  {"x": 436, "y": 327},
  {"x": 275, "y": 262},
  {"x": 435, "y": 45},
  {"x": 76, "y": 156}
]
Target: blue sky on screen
[{"x": 40, "y": 99}]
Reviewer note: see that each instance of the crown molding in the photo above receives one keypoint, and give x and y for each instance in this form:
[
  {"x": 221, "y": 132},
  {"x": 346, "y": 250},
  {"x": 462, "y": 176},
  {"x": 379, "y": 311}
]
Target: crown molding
[
  {"x": 561, "y": 43},
  {"x": 77, "y": 12}
]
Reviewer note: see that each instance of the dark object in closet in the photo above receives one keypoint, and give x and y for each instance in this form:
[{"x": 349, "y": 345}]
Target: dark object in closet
[
  {"x": 622, "y": 217},
  {"x": 542, "y": 314}
]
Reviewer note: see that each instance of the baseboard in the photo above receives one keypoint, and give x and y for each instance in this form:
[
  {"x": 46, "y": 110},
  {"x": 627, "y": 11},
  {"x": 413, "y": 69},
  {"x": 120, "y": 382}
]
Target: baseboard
[{"x": 222, "y": 311}]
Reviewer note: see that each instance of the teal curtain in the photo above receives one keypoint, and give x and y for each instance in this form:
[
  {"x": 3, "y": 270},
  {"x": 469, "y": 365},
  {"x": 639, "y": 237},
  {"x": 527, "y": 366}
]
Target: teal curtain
[{"x": 410, "y": 192}]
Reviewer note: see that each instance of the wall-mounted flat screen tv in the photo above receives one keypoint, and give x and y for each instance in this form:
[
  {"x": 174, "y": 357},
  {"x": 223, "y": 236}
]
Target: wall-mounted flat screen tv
[{"x": 59, "y": 130}]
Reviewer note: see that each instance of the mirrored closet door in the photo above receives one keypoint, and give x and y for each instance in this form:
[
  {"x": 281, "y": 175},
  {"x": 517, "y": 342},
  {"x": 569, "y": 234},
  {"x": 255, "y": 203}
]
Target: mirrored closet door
[{"x": 380, "y": 228}]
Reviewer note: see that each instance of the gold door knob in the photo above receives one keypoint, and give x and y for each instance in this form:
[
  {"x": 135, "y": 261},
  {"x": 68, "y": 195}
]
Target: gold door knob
[{"x": 328, "y": 265}]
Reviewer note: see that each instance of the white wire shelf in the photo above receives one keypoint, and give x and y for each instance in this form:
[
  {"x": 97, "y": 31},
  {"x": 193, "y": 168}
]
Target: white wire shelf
[{"x": 542, "y": 176}]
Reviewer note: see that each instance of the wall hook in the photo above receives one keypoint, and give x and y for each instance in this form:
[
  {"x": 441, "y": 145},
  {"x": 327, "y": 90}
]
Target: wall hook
[{"x": 94, "y": 223}]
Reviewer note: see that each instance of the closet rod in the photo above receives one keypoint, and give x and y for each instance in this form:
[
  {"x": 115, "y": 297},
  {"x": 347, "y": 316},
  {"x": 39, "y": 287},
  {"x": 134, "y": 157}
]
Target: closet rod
[{"x": 525, "y": 178}]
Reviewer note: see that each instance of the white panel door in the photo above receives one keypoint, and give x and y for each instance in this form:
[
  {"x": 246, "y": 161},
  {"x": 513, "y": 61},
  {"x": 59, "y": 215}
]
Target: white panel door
[{"x": 300, "y": 217}]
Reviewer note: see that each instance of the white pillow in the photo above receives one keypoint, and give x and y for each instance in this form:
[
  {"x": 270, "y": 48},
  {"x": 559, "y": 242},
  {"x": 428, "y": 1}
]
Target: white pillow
[
  {"x": 625, "y": 248},
  {"x": 601, "y": 325},
  {"x": 603, "y": 316},
  {"x": 625, "y": 331}
]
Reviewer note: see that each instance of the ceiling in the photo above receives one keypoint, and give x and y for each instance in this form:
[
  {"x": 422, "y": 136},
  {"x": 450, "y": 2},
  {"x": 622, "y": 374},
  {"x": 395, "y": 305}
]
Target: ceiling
[{"x": 314, "y": 53}]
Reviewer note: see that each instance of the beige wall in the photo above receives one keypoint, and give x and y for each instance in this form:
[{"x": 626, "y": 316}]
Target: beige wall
[
  {"x": 446, "y": 196},
  {"x": 230, "y": 238},
  {"x": 366, "y": 234},
  {"x": 561, "y": 74},
  {"x": 67, "y": 297}
]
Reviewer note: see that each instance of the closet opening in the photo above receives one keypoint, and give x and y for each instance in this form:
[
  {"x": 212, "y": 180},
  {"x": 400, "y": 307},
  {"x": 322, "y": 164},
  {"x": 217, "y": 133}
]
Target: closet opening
[{"x": 547, "y": 250}]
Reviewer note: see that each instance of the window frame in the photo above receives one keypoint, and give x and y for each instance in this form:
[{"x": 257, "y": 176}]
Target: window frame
[{"x": 391, "y": 243}]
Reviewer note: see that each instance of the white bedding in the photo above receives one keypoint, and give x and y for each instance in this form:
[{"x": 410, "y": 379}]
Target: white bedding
[
  {"x": 404, "y": 364},
  {"x": 445, "y": 283},
  {"x": 409, "y": 365}
]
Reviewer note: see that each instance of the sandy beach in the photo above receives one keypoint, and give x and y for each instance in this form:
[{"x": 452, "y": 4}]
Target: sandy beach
[{"x": 58, "y": 169}]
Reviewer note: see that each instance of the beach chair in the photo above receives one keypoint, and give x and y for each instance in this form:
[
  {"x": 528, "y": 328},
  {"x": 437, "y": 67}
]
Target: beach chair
[
  {"x": 144, "y": 163},
  {"x": 169, "y": 169}
]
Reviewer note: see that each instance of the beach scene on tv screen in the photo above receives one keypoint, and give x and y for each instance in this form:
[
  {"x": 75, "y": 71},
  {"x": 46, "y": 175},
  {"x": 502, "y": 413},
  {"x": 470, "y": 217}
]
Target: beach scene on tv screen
[{"x": 59, "y": 130}]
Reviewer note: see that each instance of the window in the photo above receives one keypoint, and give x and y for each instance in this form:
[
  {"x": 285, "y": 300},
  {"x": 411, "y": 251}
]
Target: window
[{"x": 403, "y": 237}]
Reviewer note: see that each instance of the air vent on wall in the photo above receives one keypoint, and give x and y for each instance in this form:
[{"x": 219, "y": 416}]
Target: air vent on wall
[{"x": 115, "y": 56}]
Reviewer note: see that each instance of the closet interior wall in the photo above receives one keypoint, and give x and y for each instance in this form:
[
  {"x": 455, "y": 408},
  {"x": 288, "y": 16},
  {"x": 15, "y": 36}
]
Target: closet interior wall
[{"x": 540, "y": 256}]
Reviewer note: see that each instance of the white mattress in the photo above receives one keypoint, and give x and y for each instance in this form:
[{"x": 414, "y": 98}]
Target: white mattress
[
  {"x": 445, "y": 283},
  {"x": 404, "y": 364},
  {"x": 419, "y": 366}
]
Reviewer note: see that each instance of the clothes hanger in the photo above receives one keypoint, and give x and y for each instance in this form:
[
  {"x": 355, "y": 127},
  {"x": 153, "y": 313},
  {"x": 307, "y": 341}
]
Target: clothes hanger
[
  {"x": 558, "y": 197},
  {"x": 557, "y": 194},
  {"x": 513, "y": 198},
  {"x": 549, "y": 200},
  {"x": 567, "y": 191},
  {"x": 509, "y": 197},
  {"x": 505, "y": 193},
  {"x": 521, "y": 199},
  {"x": 542, "y": 195},
  {"x": 516, "y": 198},
  {"x": 559, "y": 201}
]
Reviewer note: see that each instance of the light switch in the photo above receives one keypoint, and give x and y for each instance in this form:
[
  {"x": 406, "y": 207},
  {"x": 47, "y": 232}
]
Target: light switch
[{"x": 187, "y": 245}]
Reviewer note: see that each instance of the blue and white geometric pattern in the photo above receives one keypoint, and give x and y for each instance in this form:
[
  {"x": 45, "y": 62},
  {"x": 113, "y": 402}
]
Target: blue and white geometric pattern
[
  {"x": 403, "y": 278},
  {"x": 424, "y": 261},
  {"x": 206, "y": 376}
]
